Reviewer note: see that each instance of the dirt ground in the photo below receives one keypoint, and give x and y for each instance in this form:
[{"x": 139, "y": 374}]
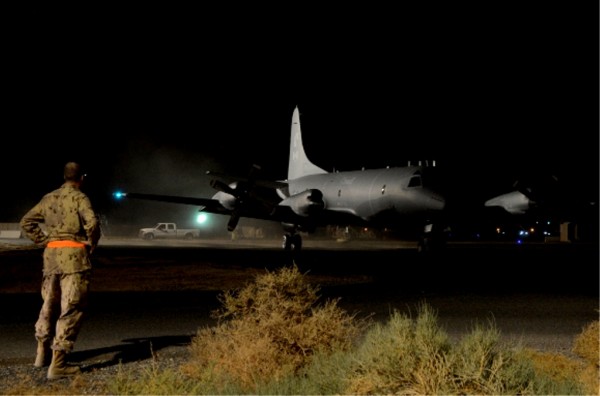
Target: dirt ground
[{"x": 21, "y": 271}]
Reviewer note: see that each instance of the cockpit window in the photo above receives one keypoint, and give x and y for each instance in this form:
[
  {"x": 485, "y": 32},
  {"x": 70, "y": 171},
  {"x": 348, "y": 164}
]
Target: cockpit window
[{"x": 415, "y": 180}]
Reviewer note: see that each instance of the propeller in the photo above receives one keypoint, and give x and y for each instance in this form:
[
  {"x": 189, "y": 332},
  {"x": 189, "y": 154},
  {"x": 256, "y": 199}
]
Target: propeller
[
  {"x": 220, "y": 186},
  {"x": 524, "y": 189},
  {"x": 538, "y": 190},
  {"x": 241, "y": 191}
]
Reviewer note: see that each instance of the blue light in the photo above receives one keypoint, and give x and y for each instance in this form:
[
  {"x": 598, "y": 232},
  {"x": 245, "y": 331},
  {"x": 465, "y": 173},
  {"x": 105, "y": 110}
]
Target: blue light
[{"x": 119, "y": 195}]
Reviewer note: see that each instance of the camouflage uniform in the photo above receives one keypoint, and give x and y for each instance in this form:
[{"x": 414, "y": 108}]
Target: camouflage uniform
[{"x": 72, "y": 233}]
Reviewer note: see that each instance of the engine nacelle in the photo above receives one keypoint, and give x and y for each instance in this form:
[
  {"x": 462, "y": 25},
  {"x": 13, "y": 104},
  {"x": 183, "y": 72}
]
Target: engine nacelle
[
  {"x": 513, "y": 202},
  {"x": 305, "y": 203}
]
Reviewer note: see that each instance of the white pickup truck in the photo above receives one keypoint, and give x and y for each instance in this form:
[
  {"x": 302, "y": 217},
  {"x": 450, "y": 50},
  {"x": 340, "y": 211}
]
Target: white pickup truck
[{"x": 168, "y": 231}]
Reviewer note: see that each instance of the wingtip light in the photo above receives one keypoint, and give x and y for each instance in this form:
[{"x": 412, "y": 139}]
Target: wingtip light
[{"x": 119, "y": 195}]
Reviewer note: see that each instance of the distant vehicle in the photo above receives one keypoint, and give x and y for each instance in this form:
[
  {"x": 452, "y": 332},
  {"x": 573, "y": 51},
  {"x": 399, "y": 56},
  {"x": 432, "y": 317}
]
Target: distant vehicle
[{"x": 168, "y": 231}]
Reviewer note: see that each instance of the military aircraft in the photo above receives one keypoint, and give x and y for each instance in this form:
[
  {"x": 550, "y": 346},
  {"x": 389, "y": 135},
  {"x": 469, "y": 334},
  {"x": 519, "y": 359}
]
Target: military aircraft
[
  {"x": 397, "y": 198},
  {"x": 544, "y": 198},
  {"x": 527, "y": 196}
]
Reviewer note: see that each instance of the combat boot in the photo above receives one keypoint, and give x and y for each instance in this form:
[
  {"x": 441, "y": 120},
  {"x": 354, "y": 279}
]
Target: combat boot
[
  {"x": 59, "y": 368},
  {"x": 43, "y": 355}
]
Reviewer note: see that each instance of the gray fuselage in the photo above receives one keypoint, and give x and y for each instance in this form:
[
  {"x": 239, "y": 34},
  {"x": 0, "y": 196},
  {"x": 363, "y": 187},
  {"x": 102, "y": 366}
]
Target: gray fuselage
[{"x": 369, "y": 193}]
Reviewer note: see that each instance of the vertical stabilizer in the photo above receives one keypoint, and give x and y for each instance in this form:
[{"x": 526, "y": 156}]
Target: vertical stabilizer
[{"x": 299, "y": 164}]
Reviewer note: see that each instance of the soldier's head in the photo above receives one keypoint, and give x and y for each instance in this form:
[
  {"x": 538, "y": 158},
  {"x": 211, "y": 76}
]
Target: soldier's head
[{"x": 73, "y": 172}]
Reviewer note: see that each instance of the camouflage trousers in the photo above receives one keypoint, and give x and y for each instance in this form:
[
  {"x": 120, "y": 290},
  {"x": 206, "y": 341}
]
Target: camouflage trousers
[{"x": 64, "y": 301}]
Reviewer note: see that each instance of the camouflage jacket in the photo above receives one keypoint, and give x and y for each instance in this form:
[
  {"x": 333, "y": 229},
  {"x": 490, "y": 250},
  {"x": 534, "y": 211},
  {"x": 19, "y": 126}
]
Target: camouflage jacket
[{"x": 68, "y": 216}]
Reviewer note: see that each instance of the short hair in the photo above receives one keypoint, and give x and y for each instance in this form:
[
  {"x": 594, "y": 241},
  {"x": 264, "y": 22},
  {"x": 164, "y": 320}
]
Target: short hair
[{"x": 73, "y": 171}]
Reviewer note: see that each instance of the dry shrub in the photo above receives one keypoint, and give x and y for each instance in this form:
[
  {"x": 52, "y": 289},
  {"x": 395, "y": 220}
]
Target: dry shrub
[
  {"x": 479, "y": 362},
  {"x": 402, "y": 357},
  {"x": 586, "y": 346},
  {"x": 269, "y": 329},
  {"x": 589, "y": 378},
  {"x": 151, "y": 381},
  {"x": 415, "y": 356},
  {"x": 554, "y": 373}
]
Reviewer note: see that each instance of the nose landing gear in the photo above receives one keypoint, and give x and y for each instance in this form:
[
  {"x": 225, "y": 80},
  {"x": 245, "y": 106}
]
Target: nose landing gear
[{"x": 434, "y": 238}]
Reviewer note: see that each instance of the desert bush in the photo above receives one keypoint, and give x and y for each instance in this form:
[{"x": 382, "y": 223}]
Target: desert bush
[
  {"x": 396, "y": 358},
  {"x": 270, "y": 329},
  {"x": 326, "y": 374},
  {"x": 554, "y": 373},
  {"x": 151, "y": 381},
  {"x": 406, "y": 356},
  {"x": 480, "y": 365},
  {"x": 587, "y": 346}
]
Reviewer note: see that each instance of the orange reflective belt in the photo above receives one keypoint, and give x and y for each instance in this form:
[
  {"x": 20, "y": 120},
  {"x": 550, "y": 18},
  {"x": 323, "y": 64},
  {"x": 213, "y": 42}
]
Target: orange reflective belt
[{"x": 59, "y": 244}]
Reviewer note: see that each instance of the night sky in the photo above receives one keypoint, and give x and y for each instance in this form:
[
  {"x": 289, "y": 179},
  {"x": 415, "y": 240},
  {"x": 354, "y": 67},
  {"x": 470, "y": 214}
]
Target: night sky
[{"x": 492, "y": 95}]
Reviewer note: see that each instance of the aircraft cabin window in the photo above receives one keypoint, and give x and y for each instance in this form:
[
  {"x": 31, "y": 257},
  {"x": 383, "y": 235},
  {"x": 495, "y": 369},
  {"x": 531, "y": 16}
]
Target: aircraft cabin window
[
  {"x": 415, "y": 181},
  {"x": 339, "y": 193}
]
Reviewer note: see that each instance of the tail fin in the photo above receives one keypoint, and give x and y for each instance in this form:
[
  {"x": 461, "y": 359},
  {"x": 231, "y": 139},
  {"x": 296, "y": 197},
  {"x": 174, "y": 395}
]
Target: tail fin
[{"x": 299, "y": 164}]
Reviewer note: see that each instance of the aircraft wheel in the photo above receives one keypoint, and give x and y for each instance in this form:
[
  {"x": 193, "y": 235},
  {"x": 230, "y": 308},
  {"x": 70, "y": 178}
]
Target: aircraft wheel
[
  {"x": 296, "y": 242},
  {"x": 423, "y": 245},
  {"x": 287, "y": 242},
  {"x": 292, "y": 242},
  {"x": 431, "y": 244}
]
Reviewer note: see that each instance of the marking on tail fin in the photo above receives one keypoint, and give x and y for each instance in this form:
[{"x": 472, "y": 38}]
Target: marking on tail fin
[{"x": 299, "y": 164}]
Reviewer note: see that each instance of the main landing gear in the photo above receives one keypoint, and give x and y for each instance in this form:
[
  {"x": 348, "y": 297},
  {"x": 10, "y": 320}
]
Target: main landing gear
[
  {"x": 433, "y": 239},
  {"x": 292, "y": 241}
]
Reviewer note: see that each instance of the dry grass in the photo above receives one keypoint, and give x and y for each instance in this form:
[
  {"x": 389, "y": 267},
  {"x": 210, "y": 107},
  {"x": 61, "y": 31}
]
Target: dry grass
[
  {"x": 270, "y": 329},
  {"x": 587, "y": 346},
  {"x": 415, "y": 356},
  {"x": 80, "y": 384}
]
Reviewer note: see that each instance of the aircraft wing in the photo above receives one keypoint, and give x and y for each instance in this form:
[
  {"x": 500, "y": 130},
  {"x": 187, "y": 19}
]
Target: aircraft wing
[
  {"x": 205, "y": 204},
  {"x": 306, "y": 213},
  {"x": 273, "y": 184}
]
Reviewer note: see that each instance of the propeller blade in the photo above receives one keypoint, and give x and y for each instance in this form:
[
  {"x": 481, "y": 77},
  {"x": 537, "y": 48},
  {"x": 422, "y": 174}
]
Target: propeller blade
[
  {"x": 233, "y": 221},
  {"x": 220, "y": 186},
  {"x": 242, "y": 192},
  {"x": 524, "y": 189}
]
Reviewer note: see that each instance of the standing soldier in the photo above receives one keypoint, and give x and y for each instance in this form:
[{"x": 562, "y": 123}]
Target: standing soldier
[{"x": 72, "y": 233}]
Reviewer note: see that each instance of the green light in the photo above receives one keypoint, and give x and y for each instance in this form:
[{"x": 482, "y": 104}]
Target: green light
[{"x": 201, "y": 219}]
